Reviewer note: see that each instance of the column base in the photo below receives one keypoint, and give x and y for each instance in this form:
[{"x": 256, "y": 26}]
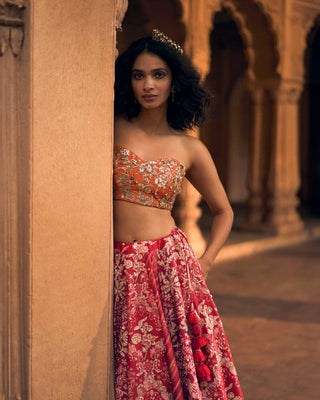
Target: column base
[
  {"x": 255, "y": 214},
  {"x": 273, "y": 227},
  {"x": 282, "y": 216},
  {"x": 284, "y": 227},
  {"x": 279, "y": 222}
]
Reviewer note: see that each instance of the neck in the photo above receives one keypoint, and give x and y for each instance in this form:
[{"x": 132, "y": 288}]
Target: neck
[{"x": 153, "y": 121}]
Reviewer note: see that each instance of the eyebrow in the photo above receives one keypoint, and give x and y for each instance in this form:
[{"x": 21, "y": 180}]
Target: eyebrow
[{"x": 153, "y": 70}]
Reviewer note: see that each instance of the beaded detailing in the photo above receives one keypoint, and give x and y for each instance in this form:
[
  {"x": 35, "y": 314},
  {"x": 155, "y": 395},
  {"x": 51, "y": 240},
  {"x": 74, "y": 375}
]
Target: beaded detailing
[
  {"x": 154, "y": 183},
  {"x": 163, "y": 38}
]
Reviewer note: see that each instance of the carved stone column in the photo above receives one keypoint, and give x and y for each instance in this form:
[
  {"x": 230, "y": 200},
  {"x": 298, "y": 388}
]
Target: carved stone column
[
  {"x": 56, "y": 141},
  {"x": 121, "y": 7},
  {"x": 255, "y": 185},
  {"x": 197, "y": 17},
  {"x": 72, "y": 74},
  {"x": 283, "y": 177},
  {"x": 13, "y": 263},
  {"x": 11, "y": 26}
]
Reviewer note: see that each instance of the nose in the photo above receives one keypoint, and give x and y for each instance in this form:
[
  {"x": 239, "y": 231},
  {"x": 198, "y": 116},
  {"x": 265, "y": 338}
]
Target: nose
[{"x": 148, "y": 84}]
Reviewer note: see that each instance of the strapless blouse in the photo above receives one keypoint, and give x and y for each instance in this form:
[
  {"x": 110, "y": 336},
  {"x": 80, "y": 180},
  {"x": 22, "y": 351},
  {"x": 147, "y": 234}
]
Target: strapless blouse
[{"x": 154, "y": 183}]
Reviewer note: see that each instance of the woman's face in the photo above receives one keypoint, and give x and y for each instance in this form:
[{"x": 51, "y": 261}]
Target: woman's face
[{"x": 151, "y": 80}]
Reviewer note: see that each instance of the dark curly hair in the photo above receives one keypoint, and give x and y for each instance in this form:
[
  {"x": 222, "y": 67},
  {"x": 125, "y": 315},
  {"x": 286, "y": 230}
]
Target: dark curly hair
[{"x": 190, "y": 98}]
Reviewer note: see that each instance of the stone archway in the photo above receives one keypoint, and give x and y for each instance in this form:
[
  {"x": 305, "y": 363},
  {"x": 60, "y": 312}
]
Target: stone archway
[
  {"x": 252, "y": 69},
  {"x": 144, "y": 15},
  {"x": 255, "y": 26},
  {"x": 239, "y": 129},
  {"x": 228, "y": 64},
  {"x": 273, "y": 178},
  {"x": 310, "y": 125},
  {"x": 259, "y": 37}
]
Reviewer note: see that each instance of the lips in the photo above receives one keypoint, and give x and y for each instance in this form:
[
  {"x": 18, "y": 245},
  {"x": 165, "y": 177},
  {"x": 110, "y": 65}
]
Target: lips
[{"x": 149, "y": 97}]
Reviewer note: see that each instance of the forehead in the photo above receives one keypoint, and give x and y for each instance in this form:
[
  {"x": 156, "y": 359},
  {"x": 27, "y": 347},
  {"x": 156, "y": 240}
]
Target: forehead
[{"x": 149, "y": 61}]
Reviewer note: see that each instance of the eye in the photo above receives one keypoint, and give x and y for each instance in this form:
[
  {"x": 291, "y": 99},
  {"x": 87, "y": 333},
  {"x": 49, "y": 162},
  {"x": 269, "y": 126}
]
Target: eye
[
  {"x": 137, "y": 75},
  {"x": 160, "y": 74}
]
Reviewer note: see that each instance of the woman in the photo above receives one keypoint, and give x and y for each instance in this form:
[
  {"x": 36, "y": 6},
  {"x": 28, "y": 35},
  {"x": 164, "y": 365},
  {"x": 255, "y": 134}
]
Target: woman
[{"x": 169, "y": 341}]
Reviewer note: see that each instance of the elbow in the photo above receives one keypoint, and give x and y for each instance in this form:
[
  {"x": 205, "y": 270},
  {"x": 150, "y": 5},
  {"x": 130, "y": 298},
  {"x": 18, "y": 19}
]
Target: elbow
[
  {"x": 226, "y": 213},
  {"x": 230, "y": 215},
  {"x": 230, "y": 212}
]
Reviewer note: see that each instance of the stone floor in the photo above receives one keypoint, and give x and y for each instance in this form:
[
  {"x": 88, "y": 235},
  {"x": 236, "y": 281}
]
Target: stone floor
[{"x": 270, "y": 307}]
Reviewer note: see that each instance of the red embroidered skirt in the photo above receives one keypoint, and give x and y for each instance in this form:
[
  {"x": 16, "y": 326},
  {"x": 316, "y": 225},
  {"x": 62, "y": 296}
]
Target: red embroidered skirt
[{"x": 157, "y": 283}]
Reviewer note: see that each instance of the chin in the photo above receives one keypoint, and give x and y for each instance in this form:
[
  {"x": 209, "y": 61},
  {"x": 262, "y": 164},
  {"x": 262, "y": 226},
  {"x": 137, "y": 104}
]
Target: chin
[{"x": 152, "y": 104}]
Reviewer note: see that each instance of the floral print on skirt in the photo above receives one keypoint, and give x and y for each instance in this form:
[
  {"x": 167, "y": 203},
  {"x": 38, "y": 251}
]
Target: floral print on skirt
[{"x": 156, "y": 282}]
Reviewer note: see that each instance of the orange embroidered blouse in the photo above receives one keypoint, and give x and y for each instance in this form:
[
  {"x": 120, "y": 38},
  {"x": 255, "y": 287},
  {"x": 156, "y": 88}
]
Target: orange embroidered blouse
[{"x": 153, "y": 183}]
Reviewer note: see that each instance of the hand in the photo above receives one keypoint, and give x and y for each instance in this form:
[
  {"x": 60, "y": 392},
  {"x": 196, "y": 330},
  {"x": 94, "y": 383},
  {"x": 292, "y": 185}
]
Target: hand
[{"x": 205, "y": 266}]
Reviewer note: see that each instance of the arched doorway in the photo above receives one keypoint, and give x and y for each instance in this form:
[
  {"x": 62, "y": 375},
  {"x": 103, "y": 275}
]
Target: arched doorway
[
  {"x": 240, "y": 133},
  {"x": 310, "y": 126},
  {"x": 227, "y": 132}
]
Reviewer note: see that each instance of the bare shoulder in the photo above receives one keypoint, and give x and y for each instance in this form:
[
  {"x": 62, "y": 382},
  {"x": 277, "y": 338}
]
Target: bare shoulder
[
  {"x": 193, "y": 143},
  {"x": 194, "y": 148},
  {"x": 122, "y": 128},
  {"x": 120, "y": 123}
]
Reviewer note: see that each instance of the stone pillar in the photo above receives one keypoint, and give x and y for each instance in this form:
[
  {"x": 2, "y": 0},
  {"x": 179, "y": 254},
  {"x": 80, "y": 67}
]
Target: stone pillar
[
  {"x": 13, "y": 212},
  {"x": 283, "y": 177},
  {"x": 197, "y": 17},
  {"x": 56, "y": 141},
  {"x": 72, "y": 69},
  {"x": 255, "y": 184}
]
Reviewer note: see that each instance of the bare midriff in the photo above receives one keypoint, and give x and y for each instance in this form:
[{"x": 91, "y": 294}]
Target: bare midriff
[{"x": 134, "y": 222}]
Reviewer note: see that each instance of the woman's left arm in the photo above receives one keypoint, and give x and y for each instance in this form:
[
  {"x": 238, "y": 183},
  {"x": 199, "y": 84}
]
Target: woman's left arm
[{"x": 204, "y": 177}]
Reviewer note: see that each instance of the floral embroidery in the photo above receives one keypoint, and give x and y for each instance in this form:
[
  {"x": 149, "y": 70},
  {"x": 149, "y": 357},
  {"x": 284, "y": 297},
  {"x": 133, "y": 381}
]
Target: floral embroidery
[
  {"x": 141, "y": 362},
  {"x": 154, "y": 183}
]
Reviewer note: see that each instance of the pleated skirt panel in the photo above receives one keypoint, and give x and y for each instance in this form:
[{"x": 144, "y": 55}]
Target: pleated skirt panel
[{"x": 159, "y": 353}]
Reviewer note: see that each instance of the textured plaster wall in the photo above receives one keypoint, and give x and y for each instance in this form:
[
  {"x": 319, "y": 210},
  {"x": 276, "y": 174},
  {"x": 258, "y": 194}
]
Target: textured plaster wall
[{"x": 72, "y": 55}]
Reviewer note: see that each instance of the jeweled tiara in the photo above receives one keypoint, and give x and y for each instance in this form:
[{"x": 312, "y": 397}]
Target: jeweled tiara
[{"x": 161, "y": 37}]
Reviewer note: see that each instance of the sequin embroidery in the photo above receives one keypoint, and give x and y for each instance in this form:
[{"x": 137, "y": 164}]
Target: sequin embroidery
[{"x": 154, "y": 183}]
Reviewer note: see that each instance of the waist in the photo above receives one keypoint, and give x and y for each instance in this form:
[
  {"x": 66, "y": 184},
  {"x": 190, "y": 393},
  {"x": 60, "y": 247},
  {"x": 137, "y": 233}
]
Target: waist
[
  {"x": 175, "y": 231},
  {"x": 133, "y": 222}
]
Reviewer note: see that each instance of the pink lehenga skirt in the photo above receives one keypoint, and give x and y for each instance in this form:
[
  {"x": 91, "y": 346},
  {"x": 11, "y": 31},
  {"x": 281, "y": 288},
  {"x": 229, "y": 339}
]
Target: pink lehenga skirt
[{"x": 168, "y": 338}]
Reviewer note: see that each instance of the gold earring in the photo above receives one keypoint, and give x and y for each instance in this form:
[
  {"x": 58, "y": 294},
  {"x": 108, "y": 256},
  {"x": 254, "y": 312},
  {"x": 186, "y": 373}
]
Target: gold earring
[{"x": 172, "y": 95}]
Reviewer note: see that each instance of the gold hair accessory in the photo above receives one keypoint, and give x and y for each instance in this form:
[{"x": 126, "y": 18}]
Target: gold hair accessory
[{"x": 161, "y": 37}]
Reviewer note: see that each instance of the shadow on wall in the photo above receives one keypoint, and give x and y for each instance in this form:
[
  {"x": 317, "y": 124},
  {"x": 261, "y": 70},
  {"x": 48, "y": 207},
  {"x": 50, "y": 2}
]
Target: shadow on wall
[{"x": 96, "y": 384}]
